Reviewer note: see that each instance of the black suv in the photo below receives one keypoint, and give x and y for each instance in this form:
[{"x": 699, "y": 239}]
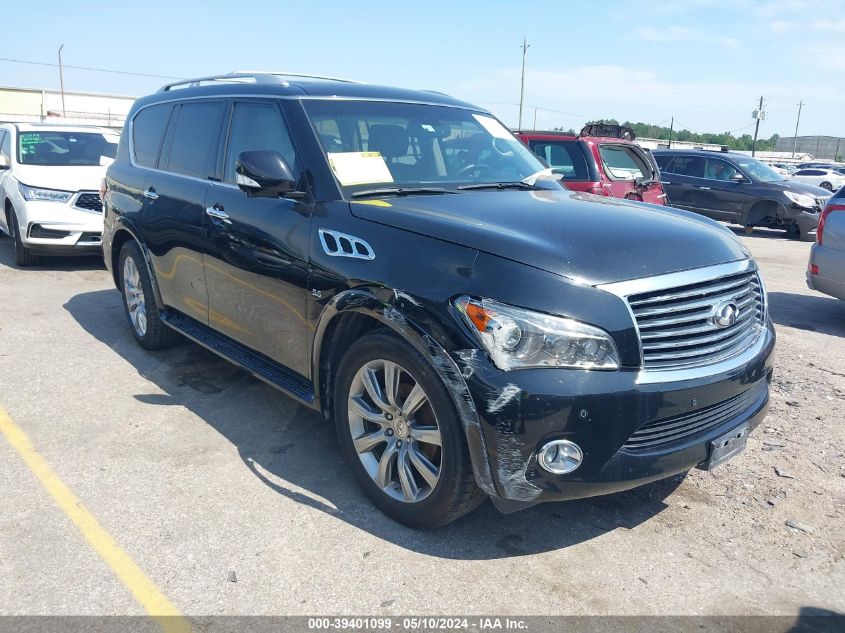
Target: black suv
[
  {"x": 739, "y": 189},
  {"x": 400, "y": 262}
]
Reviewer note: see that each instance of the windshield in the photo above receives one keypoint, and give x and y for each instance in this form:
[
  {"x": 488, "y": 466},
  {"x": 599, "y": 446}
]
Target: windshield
[
  {"x": 56, "y": 148},
  {"x": 759, "y": 171},
  {"x": 405, "y": 146}
]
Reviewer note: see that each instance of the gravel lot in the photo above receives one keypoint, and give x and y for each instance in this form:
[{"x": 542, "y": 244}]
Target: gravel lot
[{"x": 198, "y": 470}]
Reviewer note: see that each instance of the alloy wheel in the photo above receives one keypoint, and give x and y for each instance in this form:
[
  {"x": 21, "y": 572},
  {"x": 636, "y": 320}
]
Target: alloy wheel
[
  {"x": 133, "y": 294},
  {"x": 395, "y": 431}
]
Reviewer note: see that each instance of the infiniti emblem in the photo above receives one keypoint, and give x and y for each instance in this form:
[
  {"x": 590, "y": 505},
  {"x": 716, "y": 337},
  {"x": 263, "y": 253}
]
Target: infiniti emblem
[{"x": 725, "y": 314}]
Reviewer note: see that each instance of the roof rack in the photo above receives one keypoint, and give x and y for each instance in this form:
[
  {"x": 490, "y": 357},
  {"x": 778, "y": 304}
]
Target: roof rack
[{"x": 248, "y": 76}]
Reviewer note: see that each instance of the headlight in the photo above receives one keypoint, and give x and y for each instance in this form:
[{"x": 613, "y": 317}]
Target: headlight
[
  {"x": 802, "y": 200},
  {"x": 46, "y": 195},
  {"x": 518, "y": 339}
]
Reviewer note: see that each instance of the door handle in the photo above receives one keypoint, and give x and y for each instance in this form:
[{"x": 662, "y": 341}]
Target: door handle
[
  {"x": 706, "y": 188},
  {"x": 216, "y": 212},
  {"x": 151, "y": 194}
]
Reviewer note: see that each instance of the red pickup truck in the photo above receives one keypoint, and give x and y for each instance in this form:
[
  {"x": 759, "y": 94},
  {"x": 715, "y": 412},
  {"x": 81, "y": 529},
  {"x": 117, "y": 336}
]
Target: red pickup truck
[{"x": 602, "y": 159}]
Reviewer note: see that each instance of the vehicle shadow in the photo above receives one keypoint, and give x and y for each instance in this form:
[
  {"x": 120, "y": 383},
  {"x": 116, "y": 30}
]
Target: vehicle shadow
[
  {"x": 278, "y": 440},
  {"x": 93, "y": 261},
  {"x": 808, "y": 312},
  {"x": 759, "y": 233}
]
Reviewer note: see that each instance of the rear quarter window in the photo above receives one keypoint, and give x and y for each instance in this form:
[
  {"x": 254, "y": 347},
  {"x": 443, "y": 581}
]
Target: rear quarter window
[
  {"x": 565, "y": 157},
  {"x": 147, "y": 133}
]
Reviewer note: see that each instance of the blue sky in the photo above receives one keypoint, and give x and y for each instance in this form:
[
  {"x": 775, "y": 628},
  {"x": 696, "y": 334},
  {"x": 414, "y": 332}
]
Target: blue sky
[{"x": 705, "y": 63}]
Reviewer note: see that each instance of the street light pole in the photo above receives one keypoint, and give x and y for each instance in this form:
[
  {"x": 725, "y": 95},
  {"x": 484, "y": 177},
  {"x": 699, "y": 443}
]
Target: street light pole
[
  {"x": 525, "y": 47},
  {"x": 62, "y": 81},
  {"x": 795, "y": 139}
]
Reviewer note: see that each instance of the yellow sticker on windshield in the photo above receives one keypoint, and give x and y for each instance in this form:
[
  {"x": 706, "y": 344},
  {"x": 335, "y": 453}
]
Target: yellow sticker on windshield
[{"x": 359, "y": 168}]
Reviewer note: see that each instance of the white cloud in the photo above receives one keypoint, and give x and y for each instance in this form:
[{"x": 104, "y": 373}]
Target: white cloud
[{"x": 681, "y": 34}]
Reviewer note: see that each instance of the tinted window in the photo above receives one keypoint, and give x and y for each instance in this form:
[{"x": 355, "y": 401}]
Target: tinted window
[
  {"x": 194, "y": 138},
  {"x": 715, "y": 169},
  {"x": 148, "y": 131},
  {"x": 687, "y": 166},
  {"x": 257, "y": 126},
  {"x": 59, "y": 149},
  {"x": 622, "y": 162},
  {"x": 565, "y": 157},
  {"x": 662, "y": 160}
]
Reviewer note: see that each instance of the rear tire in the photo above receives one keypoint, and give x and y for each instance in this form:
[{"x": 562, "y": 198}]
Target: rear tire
[
  {"x": 391, "y": 446},
  {"x": 139, "y": 301},
  {"x": 23, "y": 256}
]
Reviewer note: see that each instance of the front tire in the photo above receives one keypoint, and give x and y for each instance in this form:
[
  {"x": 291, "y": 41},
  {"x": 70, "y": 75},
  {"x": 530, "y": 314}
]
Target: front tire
[
  {"x": 23, "y": 256},
  {"x": 139, "y": 302},
  {"x": 401, "y": 435}
]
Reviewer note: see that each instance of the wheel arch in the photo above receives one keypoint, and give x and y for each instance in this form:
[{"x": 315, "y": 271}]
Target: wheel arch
[
  {"x": 355, "y": 312},
  {"x": 763, "y": 209},
  {"x": 121, "y": 236}
]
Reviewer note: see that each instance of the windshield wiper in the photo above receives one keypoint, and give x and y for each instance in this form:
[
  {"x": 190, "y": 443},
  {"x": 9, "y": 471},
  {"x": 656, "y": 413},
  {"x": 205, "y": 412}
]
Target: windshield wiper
[
  {"x": 498, "y": 185},
  {"x": 400, "y": 191}
]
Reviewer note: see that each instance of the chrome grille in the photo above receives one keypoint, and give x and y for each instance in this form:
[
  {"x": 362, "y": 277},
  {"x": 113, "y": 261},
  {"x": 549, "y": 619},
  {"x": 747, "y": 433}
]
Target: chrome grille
[
  {"x": 677, "y": 325},
  {"x": 88, "y": 201},
  {"x": 658, "y": 433}
]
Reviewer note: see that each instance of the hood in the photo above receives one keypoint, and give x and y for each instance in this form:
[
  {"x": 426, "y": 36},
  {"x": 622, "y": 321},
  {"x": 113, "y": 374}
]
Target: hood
[
  {"x": 587, "y": 238},
  {"x": 801, "y": 187},
  {"x": 70, "y": 178}
]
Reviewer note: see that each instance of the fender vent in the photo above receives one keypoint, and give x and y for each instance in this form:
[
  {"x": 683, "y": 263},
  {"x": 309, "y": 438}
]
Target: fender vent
[{"x": 343, "y": 245}]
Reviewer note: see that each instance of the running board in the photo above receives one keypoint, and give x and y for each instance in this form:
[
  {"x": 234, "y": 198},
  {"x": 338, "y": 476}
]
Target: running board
[{"x": 259, "y": 365}]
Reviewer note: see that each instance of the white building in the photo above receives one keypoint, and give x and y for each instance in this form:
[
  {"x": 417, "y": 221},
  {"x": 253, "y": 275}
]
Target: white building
[{"x": 30, "y": 105}]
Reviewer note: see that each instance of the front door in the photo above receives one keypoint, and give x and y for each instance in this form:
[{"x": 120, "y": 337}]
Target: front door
[{"x": 256, "y": 264}]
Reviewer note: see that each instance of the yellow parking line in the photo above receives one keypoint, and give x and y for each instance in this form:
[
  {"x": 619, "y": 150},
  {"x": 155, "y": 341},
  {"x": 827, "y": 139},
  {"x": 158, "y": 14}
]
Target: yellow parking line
[{"x": 136, "y": 581}]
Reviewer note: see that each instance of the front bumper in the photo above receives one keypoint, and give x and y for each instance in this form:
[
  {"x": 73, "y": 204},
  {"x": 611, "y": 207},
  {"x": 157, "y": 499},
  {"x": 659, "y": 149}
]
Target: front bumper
[
  {"x": 807, "y": 222},
  {"x": 520, "y": 411},
  {"x": 57, "y": 228}
]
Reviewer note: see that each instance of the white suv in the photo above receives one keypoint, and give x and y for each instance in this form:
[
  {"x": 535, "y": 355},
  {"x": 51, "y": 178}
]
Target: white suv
[{"x": 49, "y": 188}]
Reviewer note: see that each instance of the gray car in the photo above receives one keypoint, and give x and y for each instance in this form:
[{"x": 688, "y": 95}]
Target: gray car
[{"x": 826, "y": 270}]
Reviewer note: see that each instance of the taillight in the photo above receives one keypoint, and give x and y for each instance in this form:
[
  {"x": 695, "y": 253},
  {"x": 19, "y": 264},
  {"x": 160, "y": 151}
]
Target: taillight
[{"x": 830, "y": 208}]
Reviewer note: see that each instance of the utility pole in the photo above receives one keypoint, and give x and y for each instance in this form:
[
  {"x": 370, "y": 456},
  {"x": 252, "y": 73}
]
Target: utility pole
[
  {"x": 758, "y": 114},
  {"x": 525, "y": 47},
  {"x": 671, "y": 128},
  {"x": 535, "y": 118},
  {"x": 795, "y": 140},
  {"x": 62, "y": 81}
]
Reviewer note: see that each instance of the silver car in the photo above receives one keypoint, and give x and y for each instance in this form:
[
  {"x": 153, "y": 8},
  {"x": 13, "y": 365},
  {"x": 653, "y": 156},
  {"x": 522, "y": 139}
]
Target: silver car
[{"x": 826, "y": 270}]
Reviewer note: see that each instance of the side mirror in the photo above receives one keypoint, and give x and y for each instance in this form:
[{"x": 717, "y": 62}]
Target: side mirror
[
  {"x": 264, "y": 174},
  {"x": 4, "y": 162},
  {"x": 738, "y": 178}
]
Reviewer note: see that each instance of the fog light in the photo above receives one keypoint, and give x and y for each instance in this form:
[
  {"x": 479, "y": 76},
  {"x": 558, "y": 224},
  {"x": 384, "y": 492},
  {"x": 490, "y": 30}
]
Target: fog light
[{"x": 560, "y": 457}]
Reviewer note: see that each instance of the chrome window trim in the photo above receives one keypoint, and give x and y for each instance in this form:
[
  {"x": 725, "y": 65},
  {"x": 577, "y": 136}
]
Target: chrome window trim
[{"x": 624, "y": 289}]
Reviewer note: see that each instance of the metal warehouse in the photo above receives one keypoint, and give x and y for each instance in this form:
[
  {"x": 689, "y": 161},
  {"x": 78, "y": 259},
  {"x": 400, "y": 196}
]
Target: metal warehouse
[{"x": 32, "y": 105}]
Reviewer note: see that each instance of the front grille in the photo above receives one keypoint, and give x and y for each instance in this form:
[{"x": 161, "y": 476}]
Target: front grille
[
  {"x": 39, "y": 232},
  {"x": 678, "y": 328},
  {"x": 89, "y": 201},
  {"x": 659, "y": 433},
  {"x": 821, "y": 202}
]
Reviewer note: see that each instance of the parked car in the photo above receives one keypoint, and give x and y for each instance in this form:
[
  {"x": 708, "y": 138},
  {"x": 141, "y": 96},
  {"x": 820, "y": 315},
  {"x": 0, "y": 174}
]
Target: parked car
[
  {"x": 602, "y": 160},
  {"x": 392, "y": 259},
  {"x": 49, "y": 183},
  {"x": 739, "y": 189},
  {"x": 829, "y": 179},
  {"x": 826, "y": 268}
]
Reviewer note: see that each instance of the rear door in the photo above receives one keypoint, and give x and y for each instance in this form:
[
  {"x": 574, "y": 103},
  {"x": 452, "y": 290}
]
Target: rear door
[
  {"x": 682, "y": 177},
  {"x": 256, "y": 265},
  {"x": 569, "y": 159},
  {"x": 174, "y": 209},
  {"x": 622, "y": 165}
]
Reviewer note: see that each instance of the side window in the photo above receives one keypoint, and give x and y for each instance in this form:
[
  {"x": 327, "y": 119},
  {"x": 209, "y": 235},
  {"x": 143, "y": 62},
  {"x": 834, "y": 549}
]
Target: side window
[
  {"x": 663, "y": 161},
  {"x": 719, "y": 170},
  {"x": 193, "y": 137},
  {"x": 623, "y": 163},
  {"x": 257, "y": 126},
  {"x": 688, "y": 166},
  {"x": 6, "y": 146},
  {"x": 565, "y": 157},
  {"x": 147, "y": 132}
]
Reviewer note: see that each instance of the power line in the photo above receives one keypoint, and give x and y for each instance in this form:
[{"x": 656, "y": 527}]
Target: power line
[{"x": 99, "y": 70}]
